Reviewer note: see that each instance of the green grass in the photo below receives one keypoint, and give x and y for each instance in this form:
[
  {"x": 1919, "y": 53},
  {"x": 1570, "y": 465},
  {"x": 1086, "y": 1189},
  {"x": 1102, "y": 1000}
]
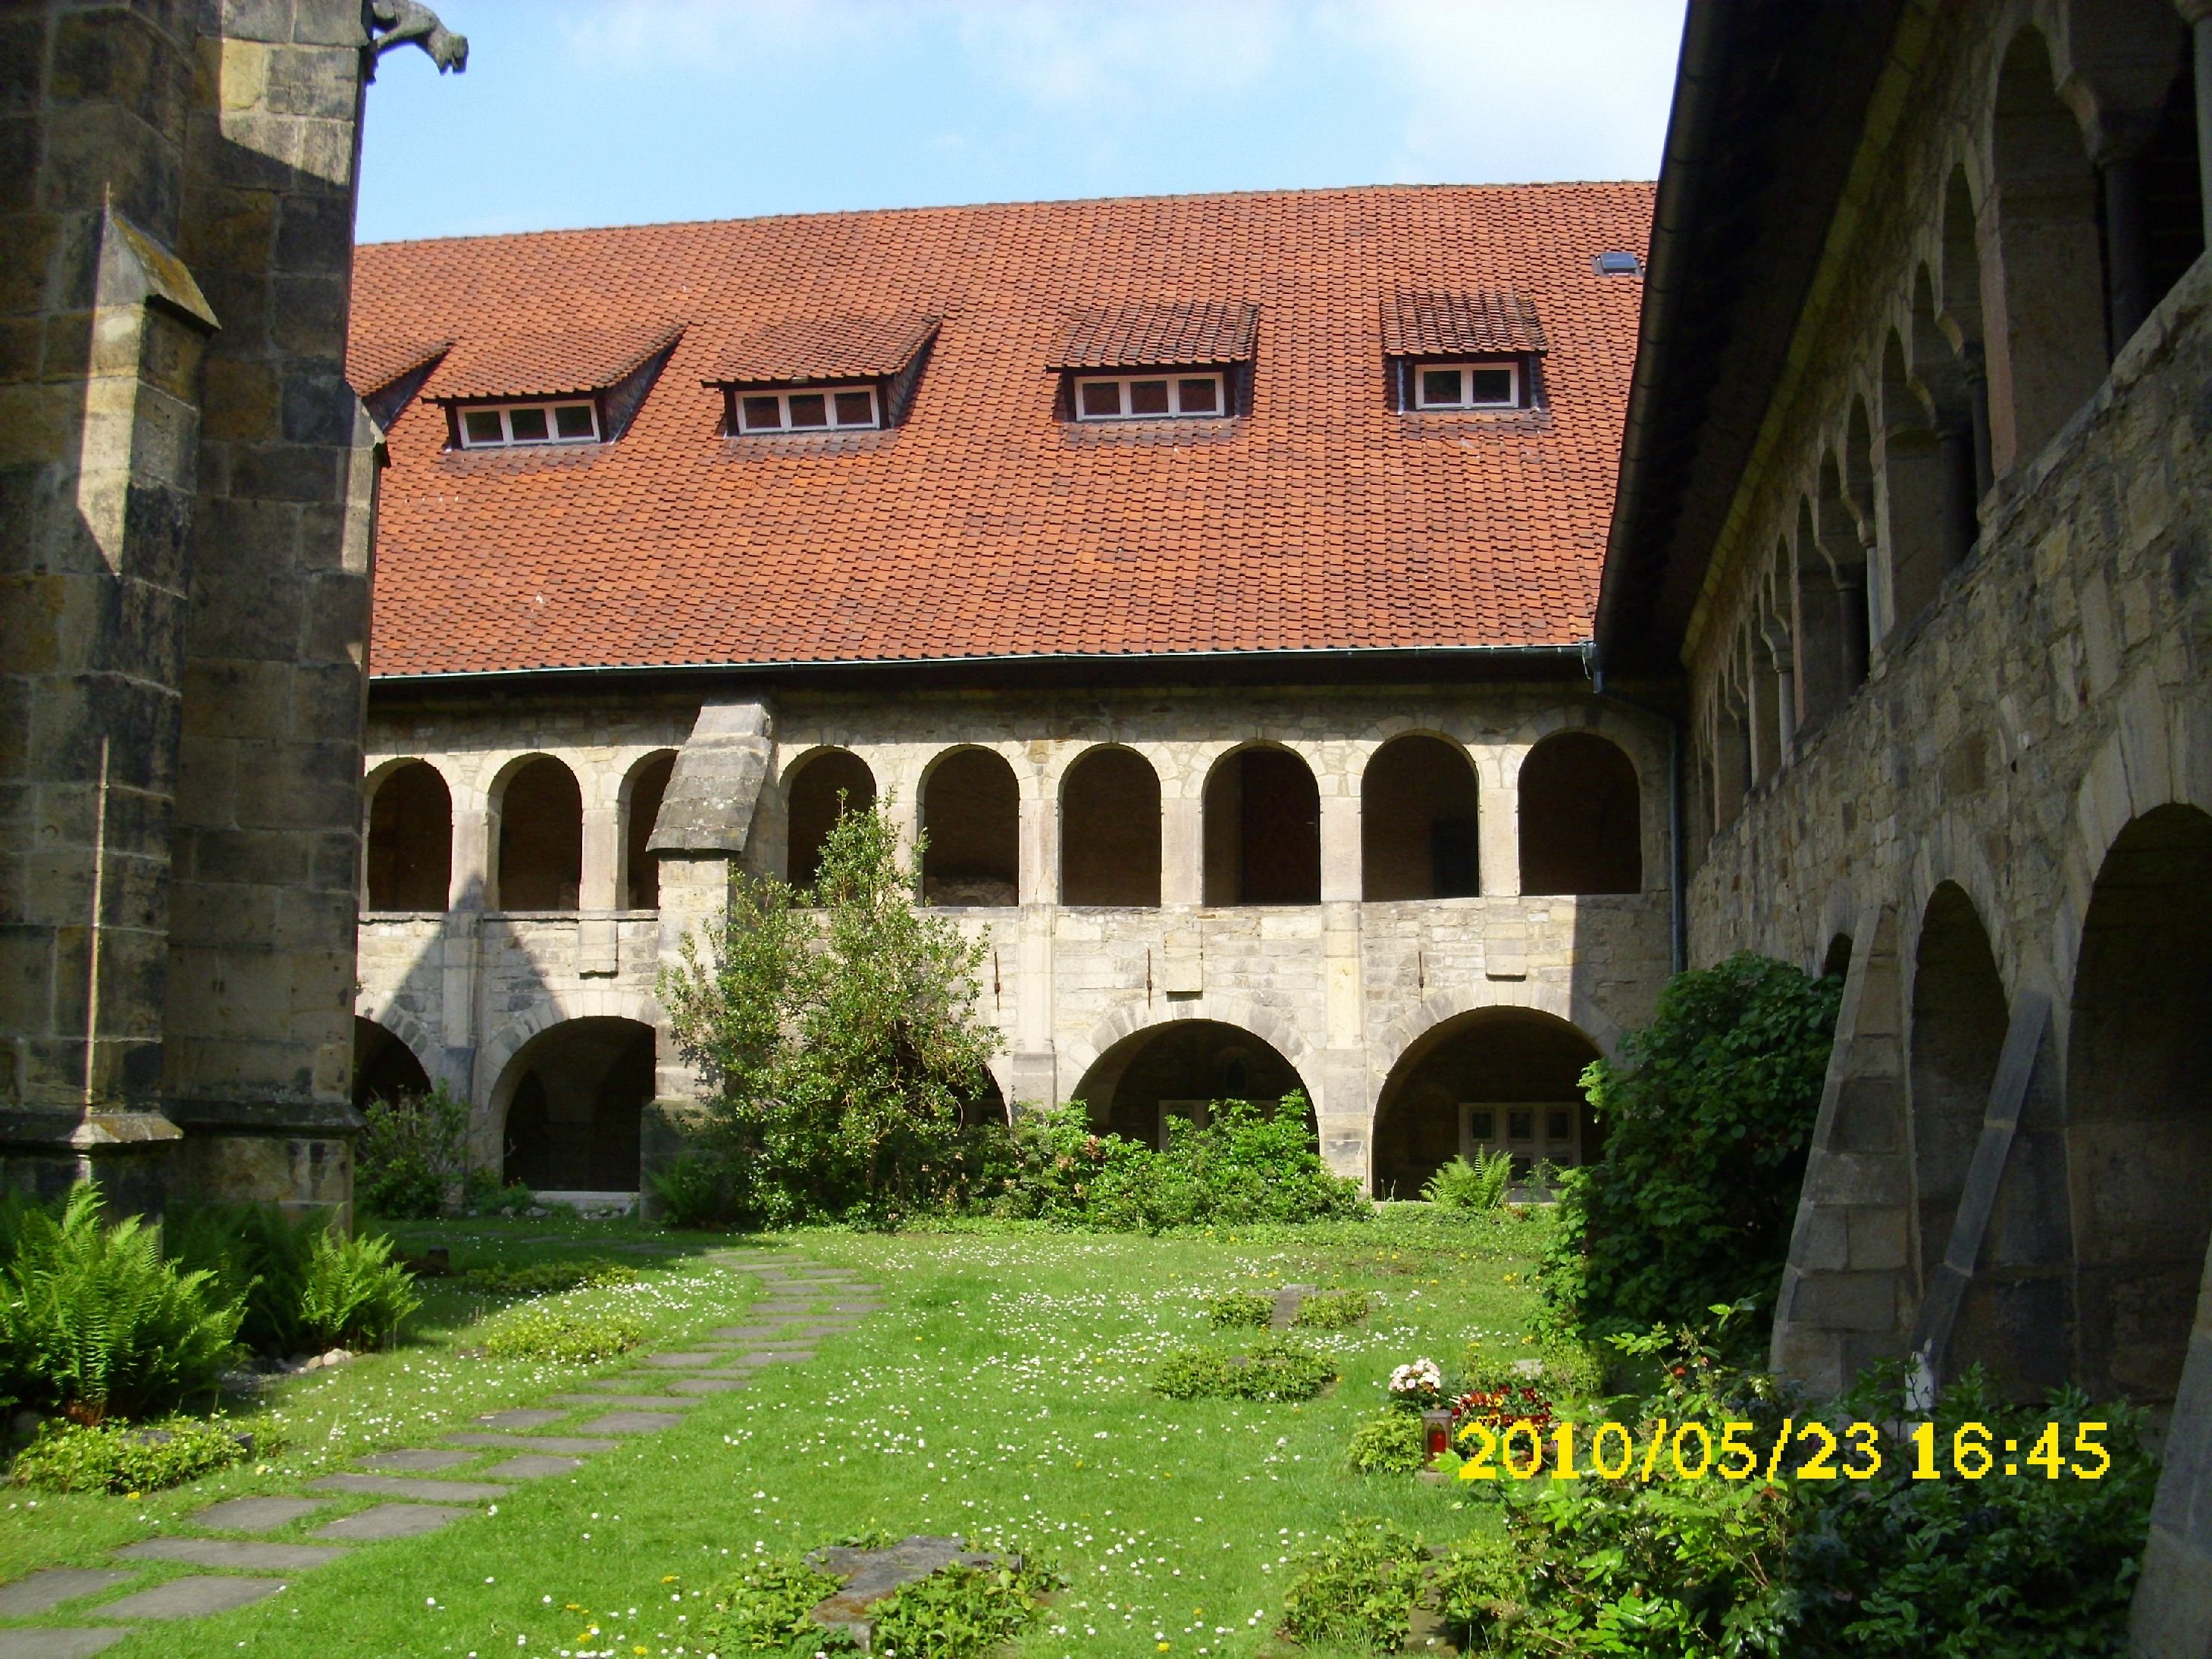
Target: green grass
[{"x": 1000, "y": 1395}]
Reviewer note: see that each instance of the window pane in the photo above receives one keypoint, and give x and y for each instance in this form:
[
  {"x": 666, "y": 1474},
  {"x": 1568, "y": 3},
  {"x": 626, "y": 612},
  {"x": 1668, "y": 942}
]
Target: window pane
[
  {"x": 1492, "y": 385},
  {"x": 1102, "y": 397},
  {"x": 1148, "y": 397},
  {"x": 481, "y": 426},
  {"x": 573, "y": 421},
  {"x": 1558, "y": 1126},
  {"x": 762, "y": 414},
  {"x": 1197, "y": 396},
  {"x": 528, "y": 425},
  {"x": 855, "y": 409},
  {"x": 1440, "y": 386},
  {"x": 809, "y": 409},
  {"x": 1520, "y": 1126},
  {"x": 1482, "y": 1126}
]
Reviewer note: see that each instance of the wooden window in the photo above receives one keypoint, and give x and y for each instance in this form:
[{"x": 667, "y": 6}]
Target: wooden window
[
  {"x": 508, "y": 425},
  {"x": 1516, "y": 1129},
  {"x": 831, "y": 408},
  {"x": 1468, "y": 386},
  {"x": 1149, "y": 397}
]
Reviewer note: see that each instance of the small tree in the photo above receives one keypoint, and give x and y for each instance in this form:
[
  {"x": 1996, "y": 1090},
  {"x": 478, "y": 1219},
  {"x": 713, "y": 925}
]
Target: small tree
[{"x": 842, "y": 1048}]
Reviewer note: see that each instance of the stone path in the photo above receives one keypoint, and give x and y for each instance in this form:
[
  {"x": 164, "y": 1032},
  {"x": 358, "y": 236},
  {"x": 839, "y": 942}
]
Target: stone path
[{"x": 431, "y": 1486}]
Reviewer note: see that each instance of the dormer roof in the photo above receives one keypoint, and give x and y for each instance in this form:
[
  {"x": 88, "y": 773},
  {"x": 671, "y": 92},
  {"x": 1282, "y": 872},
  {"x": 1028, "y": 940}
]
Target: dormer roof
[
  {"x": 799, "y": 350},
  {"x": 1184, "y": 334},
  {"x": 1490, "y": 322},
  {"x": 498, "y": 362}
]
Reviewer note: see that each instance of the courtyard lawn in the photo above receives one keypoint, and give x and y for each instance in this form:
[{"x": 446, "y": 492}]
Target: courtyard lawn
[{"x": 998, "y": 1393}]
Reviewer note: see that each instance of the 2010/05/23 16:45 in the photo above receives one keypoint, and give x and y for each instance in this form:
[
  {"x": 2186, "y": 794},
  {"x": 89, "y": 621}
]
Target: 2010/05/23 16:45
[{"x": 1691, "y": 1452}]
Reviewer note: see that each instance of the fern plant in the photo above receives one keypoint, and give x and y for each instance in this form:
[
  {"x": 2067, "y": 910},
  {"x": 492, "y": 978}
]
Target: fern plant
[
  {"x": 354, "y": 1293},
  {"x": 98, "y": 1323},
  {"x": 304, "y": 1285},
  {"x": 1479, "y": 1185}
]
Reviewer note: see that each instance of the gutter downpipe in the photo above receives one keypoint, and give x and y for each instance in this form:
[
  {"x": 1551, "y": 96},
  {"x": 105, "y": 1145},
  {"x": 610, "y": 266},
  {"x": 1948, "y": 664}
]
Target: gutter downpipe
[{"x": 1677, "y": 857}]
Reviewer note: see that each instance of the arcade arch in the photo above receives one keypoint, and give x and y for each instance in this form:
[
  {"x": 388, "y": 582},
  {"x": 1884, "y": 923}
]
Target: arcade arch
[
  {"x": 824, "y": 785},
  {"x": 971, "y": 812},
  {"x": 1500, "y": 1078},
  {"x": 1417, "y": 822},
  {"x": 1178, "y": 1068},
  {"x": 541, "y": 837},
  {"x": 1110, "y": 830},
  {"x": 411, "y": 839},
  {"x": 1581, "y": 818},
  {"x": 1262, "y": 814},
  {"x": 571, "y": 1103}
]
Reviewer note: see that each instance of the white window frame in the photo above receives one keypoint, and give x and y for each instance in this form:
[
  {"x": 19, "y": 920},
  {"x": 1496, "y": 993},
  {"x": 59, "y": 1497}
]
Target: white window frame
[
  {"x": 1422, "y": 369},
  {"x": 829, "y": 394},
  {"x": 1528, "y": 1150},
  {"x": 1175, "y": 378},
  {"x": 507, "y": 439}
]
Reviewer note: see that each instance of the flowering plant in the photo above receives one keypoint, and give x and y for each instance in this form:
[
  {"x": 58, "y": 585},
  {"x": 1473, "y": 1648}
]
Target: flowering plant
[
  {"x": 1419, "y": 1387},
  {"x": 1514, "y": 1405}
]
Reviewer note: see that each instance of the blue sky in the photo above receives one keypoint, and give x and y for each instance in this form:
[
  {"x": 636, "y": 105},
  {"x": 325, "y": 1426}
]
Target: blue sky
[{"x": 625, "y": 111}]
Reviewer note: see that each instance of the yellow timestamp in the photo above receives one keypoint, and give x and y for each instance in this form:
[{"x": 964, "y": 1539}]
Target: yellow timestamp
[{"x": 1806, "y": 1451}]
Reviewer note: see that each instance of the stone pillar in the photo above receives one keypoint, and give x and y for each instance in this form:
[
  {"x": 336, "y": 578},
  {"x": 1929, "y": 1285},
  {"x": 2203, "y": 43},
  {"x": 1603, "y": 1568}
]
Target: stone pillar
[
  {"x": 1035, "y": 1073},
  {"x": 1340, "y": 849},
  {"x": 1497, "y": 828},
  {"x": 1183, "y": 851},
  {"x": 598, "y": 941}
]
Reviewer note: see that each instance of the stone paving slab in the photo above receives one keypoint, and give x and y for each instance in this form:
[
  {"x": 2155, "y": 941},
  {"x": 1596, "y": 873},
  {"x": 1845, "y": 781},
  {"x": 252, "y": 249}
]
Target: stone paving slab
[
  {"x": 649, "y": 1402},
  {"x": 706, "y": 1384},
  {"x": 57, "y": 1644},
  {"x": 856, "y": 1306},
  {"x": 256, "y": 1514},
  {"x": 745, "y": 1362},
  {"x": 416, "y": 1460},
  {"x": 239, "y": 1554},
  {"x": 54, "y": 1586},
  {"x": 681, "y": 1361},
  {"x": 632, "y": 1422},
  {"x": 396, "y": 1486},
  {"x": 192, "y": 1598},
  {"x": 535, "y": 1418},
  {"x": 522, "y": 1442},
  {"x": 390, "y": 1521},
  {"x": 751, "y": 1332},
  {"x": 532, "y": 1466}
]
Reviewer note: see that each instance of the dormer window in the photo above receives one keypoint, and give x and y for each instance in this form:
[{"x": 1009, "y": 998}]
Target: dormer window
[
  {"x": 831, "y": 408},
  {"x": 1468, "y": 386},
  {"x": 1148, "y": 397},
  {"x": 507, "y": 425}
]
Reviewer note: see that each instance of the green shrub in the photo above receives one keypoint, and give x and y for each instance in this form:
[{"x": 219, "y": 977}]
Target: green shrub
[
  {"x": 1273, "y": 1370},
  {"x": 959, "y": 1612},
  {"x": 1356, "y": 1589},
  {"x": 1240, "y": 1310},
  {"x": 1389, "y": 1442},
  {"x": 564, "y": 1334},
  {"x": 353, "y": 1293},
  {"x": 1331, "y": 1310},
  {"x": 548, "y": 1278},
  {"x": 95, "y": 1321},
  {"x": 1564, "y": 1367},
  {"x": 1192, "y": 1374},
  {"x": 1708, "y": 1111},
  {"x": 764, "y": 1608},
  {"x": 483, "y": 1194},
  {"x": 695, "y": 1190},
  {"x": 302, "y": 1283},
  {"x": 1479, "y": 1185},
  {"x": 411, "y": 1155},
  {"x": 110, "y": 1457}
]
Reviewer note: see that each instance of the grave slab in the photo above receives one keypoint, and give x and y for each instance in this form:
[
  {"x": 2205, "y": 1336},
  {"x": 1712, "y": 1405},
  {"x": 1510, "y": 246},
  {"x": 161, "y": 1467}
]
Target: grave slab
[
  {"x": 522, "y": 1442},
  {"x": 532, "y": 1466},
  {"x": 192, "y": 1598},
  {"x": 56, "y": 1585},
  {"x": 255, "y": 1514},
  {"x": 534, "y": 1418},
  {"x": 416, "y": 1460},
  {"x": 871, "y": 1575},
  {"x": 237, "y": 1553},
  {"x": 397, "y": 1486},
  {"x": 632, "y": 1422},
  {"x": 57, "y": 1644},
  {"x": 389, "y": 1520}
]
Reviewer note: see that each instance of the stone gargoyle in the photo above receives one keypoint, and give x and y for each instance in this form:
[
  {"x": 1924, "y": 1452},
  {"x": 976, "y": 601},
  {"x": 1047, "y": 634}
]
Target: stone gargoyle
[{"x": 389, "y": 23}]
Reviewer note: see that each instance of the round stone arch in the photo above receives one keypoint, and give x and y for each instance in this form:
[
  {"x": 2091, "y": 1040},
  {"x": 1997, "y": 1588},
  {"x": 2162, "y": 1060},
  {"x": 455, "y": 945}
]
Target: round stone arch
[
  {"x": 1539, "y": 996},
  {"x": 493, "y": 1090},
  {"x": 1843, "y": 916},
  {"x": 1950, "y": 855},
  {"x": 1218, "y": 1008},
  {"x": 428, "y": 1055}
]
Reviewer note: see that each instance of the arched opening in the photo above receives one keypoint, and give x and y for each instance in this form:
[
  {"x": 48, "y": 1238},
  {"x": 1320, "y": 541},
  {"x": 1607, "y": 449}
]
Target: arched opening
[
  {"x": 411, "y": 840},
  {"x": 1838, "y": 530},
  {"x": 2046, "y": 306},
  {"x": 1262, "y": 829},
  {"x": 1179, "y": 1070},
  {"x": 1581, "y": 823},
  {"x": 1958, "y": 1031},
  {"x": 574, "y": 1096},
  {"x": 2139, "y": 1104},
  {"x": 1957, "y": 307},
  {"x": 541, "y": 837},
  {"x": 971, "y": 810},
  {"x": 1110, "y": 830},
  {"x": 384, "y": 1067},
  {"x": 646, "y": 786},
  {"x": 1837, "y": 963},
  {"x": 1495, "y": 1080},
  {"x": 1912, "y": 492},
  {"x": 1416, "y": 837},
  {"x": 828, "y": 783},
  {"x": 2169, "y": 186}
]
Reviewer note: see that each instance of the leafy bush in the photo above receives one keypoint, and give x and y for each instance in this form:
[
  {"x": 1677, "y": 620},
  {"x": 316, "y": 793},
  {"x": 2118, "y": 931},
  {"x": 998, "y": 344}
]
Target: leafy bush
[
  {"x": 1564, "y": 1367},
  {"x": 1389, "y": 1442},
  {"x": 1331, "y": 1310},
  {"x": 353, "y": 1293},
  {"x": 695, "y": 1190},
  {"x": 1479, "y": 1185},
  {"x": 95, "y": 1321},
  {"x": 483, "y": 1194},
  {"x": 1707, "y": 1112},
  {"x": 1356, "y": 1589},
  {"x": 764, "y": 1608},
  {"x": 110, "y": 1457},
  {"x": 302, "y": 1283},
  {"x": 1273, "y": 1370},
  {"x": 566, "y": 1336},
  {"x": 1240, "y": 1310},
  {"x": 959, "y": 1612},
  {"x": 412, "y": 1156},
  {"x": 548, "y": 1278}
]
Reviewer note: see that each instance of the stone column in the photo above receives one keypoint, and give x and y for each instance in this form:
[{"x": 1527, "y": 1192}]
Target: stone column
[
  {"x": 1497, "y": 826},
  {"x": 597, "y": 946},
  {"x": 1031, "y": 1061},
  {"x": 1183, "y": 851},
  {"x": 1339, "y": 1077}
]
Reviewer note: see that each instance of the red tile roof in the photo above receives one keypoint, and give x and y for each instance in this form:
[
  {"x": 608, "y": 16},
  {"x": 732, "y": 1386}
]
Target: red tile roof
[
  {"x": 1459, "y": 325},
  {"x": 1182, "y": 336},
  {"x": 823, "y": 349},
  {"x": 373, "y": 363},
  {"x": 983, "y": 526},
  {"x": 498, "y": 362}
]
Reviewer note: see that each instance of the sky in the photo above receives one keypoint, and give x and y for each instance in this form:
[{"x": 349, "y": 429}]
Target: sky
[{"x": 629, "y": 111}]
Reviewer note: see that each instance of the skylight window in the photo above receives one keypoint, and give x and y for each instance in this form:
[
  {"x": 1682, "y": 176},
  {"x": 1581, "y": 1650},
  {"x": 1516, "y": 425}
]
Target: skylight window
[
  {"x": 1618, "y": 263},
  {"x": 509, "y": 426},
  {"x": 1466, "y": 385},
  {"x": 1148, "y": 397},
  {"x": 841, "y": 409}
]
